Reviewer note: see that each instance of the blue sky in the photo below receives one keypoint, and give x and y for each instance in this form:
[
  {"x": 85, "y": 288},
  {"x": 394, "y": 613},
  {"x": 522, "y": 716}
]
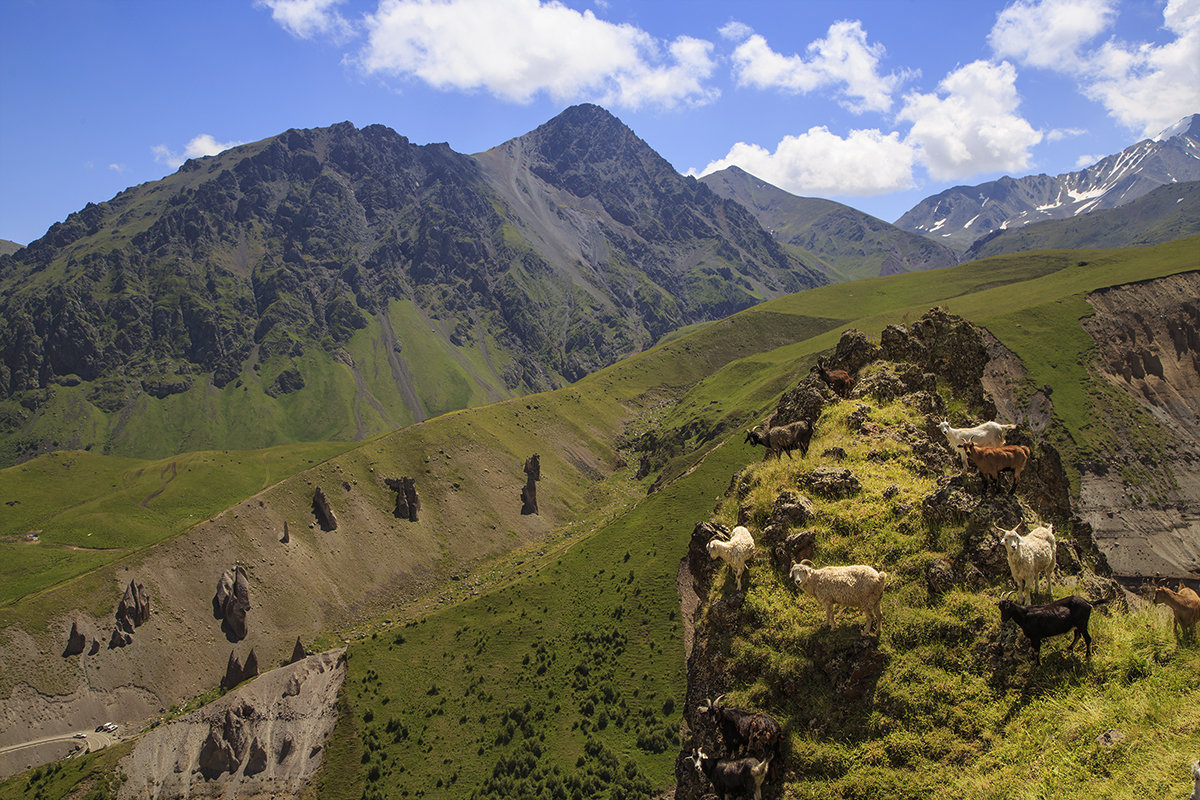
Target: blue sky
[{"x": 874, "y": 103}]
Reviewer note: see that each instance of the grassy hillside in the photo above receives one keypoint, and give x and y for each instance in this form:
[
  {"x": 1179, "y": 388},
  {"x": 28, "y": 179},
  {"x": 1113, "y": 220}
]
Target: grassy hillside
[
  {"x": 462, "y": 688},
  {"x": 949, "y": 704}
]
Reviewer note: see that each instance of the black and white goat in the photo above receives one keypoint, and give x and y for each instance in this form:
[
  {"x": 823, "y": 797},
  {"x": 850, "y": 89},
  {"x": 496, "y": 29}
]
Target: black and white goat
[
  {"x": 1052, "y": 619},
  {"x": 729, "y": 777}
]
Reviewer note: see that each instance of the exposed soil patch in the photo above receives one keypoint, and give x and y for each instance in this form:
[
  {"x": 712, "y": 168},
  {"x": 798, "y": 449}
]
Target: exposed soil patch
[{"x": 1144, "y": 507}]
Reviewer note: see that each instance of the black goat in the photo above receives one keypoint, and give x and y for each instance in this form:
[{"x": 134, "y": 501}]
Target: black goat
[
  {"x": 729, "y": 776},
  {"x": 1052, "y": 619},
  {"x": 782, "y": 439},
  {"x": 745, "y": 732}
]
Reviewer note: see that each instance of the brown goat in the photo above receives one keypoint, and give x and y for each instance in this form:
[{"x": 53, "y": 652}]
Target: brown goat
[
  {"x": 1185, "y": 604},
  {"x": 838, "y": 379},
  {"x": 994, "y": 460}
]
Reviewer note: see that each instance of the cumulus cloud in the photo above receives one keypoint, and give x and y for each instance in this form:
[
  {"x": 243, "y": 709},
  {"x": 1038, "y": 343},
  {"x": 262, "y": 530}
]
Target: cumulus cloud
[
  {"x": 819, "y": 162},
  {"x": 202, "y": 145},
  {"x": 971, "y": 124},
  {"x": 1144, "y": 86},
  {"x": 843, "y": 59},
  {"x": 1149, "y": 87},
  {"x": 1049, "y": 33},
  {"x": 306, "y": 19},
  {"x": 517, "y": 49}
]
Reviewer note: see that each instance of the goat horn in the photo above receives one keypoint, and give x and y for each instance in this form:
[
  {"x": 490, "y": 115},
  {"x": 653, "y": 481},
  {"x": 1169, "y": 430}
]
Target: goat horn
[
  {"x": 1005, "y": 596},
  {"x": 717, "y": 702}
]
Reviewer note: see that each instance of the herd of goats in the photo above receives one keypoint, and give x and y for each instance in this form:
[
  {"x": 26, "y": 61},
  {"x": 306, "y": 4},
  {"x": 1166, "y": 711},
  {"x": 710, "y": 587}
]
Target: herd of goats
[{"x": 753, "y": 739}]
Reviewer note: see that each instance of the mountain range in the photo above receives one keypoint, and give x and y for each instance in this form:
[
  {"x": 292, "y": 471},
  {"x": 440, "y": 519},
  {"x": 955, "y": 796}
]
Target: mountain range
[
  {"x": 962, "y": 214},
  {"x": 335, "y": 283},
  {"x": 848, "y": 244}
]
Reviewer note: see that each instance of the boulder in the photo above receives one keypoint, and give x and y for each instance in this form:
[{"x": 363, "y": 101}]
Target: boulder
[
  {"x": 134, "y": 608},
  {"x": 408, "y": 504},
  {"x": 832, "y": 482},
  {"x": 298, "y": 652},
  {"x": 794, "y": 549},
  {"x": 232, "y": 601},
  {"x": 323, "y": 511},
  {"x": 533, "y": 474},
  {"x": 75, "y": 641}
]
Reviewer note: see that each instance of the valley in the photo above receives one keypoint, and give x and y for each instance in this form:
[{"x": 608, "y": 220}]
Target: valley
[{"x": 549, "y": 648}]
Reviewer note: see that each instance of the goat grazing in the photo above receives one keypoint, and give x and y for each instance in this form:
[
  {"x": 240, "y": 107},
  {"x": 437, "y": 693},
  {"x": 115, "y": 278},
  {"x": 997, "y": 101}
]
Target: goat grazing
[
  {"x": 729, "y": 776},
  {"x": 1185, "y": 604},
  {"x": 837, "y": 379},
  {"x": 994, "y": 460},
  {"x": 782, "y": 439},
  {"x": 750, "y": 733},
  {"x": 858, "y": 585},
  {"x": 1029, "y": 557},
  {"x": 1052, "y": 619},
  {"x": 736, "y": 552},
  {"x": 990, "y": 434}
]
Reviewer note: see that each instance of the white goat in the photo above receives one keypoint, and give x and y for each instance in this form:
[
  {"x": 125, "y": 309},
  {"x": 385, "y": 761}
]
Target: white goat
[
  {"x": 989, "y": 434},
  {"x": 1196, "y": 777},
  {"x": 858, "y": 585},
  {"x": 736, "y": 552},
  {"x": 1029, "y": 557}
]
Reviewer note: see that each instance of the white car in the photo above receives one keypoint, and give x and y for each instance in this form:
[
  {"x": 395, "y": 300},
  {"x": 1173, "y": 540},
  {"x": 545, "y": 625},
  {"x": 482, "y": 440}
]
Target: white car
[{"x": 81, "y": 736}]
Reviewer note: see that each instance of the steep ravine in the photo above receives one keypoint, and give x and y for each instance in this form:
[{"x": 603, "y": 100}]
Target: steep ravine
[{"x": 1143, "y": 502}]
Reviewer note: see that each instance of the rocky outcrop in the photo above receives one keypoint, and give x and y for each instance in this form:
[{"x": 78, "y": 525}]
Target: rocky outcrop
[
  {"x": 132, "y": 611},
  {"x": 236, "y": 671},
  {"x": 408, "y": 504},
  {"x": 76, "y": 641},
  {"x": 298, "y": 652},
  {"x": 323, "y": 511},
  {"x": 134, "y": 608},
  {"x": 260, "y": 740},
  {"x": 533, "y": 474},
  {"x": 232, "y": 601}
]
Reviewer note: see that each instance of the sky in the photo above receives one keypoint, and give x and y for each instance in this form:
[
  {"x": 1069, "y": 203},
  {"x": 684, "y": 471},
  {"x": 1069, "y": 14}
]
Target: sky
[{"x": 873, "y": 103}]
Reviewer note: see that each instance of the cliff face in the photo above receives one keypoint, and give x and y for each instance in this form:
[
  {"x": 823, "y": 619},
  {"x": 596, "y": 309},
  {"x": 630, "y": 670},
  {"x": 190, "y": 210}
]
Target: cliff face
[{"x": 1142, "y": 496}]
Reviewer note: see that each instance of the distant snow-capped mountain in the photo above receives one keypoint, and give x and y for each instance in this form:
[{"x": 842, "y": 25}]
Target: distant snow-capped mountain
[{"x": 959, "y": 216}]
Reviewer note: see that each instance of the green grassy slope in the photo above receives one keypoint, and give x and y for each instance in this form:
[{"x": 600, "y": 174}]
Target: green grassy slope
[{"x": 721, "y": 376}]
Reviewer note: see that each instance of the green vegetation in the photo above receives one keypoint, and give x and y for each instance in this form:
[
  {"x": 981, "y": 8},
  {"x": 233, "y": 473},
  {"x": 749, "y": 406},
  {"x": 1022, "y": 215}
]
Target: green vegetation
[
  {"x": 564, "y": 675},
  {"x": 950, "y": 704},
  {"x": 93, "y": 776},
  {"x": 87, "y": 510}
]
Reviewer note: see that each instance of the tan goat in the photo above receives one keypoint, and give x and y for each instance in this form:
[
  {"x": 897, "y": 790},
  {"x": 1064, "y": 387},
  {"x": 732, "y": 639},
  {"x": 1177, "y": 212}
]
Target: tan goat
[{"x": 1185, "y": 604}]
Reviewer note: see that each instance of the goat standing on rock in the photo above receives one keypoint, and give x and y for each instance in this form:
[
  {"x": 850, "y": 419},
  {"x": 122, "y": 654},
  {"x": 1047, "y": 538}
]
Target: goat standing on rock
[
  {"x": 837, "y": 379},
  {"x": 782, "y": 439},
  {"x": 751, "y": 733},
  {"x": 989, "y": 434},
  {"x": 736, "y": 552},
  {"x": 994, "y": 460},
  {"x": 728, "y": 777},
  {"x": 858, "y": 585},
  {"x": 1029, "y": 557}
]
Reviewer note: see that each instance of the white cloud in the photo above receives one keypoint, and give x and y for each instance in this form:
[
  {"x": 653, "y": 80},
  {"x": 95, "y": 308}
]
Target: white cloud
[
  {"x": 1049, "y": 33},
  {"x": 1058, "y": 134},
  {"x": 1143, "y": 85},
  {"x": 1086, "y": 161},
  {"x": 308, "y": 18},
  {"x": 115, "y": 167},
  {"x": 821, "y": 163},
  {"x": 1149, "y": 87},
  {"x": 516, "y": 49},
  {"x": 736, "y": 31},
  {"x": 971, "y": 125},
  {"x": 202, "y": 145},
  {"x": 842, "y": 59}
]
